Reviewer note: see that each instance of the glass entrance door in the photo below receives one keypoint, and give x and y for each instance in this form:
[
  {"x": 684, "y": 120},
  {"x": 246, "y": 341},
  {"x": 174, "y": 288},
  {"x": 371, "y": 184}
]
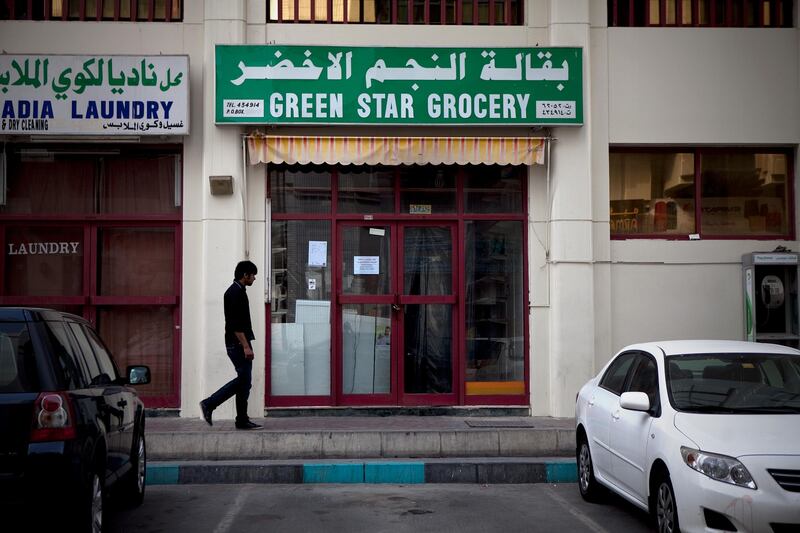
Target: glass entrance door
[
  {"x": 396, "y": 307},
  {"x": 426, "y": 315}
]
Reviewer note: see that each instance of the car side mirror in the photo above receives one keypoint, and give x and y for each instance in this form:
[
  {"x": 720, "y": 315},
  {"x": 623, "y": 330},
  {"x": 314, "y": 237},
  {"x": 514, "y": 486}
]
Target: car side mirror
[
  {"x": 138, "y": 375},
  {"x": 635, "y": 401}
]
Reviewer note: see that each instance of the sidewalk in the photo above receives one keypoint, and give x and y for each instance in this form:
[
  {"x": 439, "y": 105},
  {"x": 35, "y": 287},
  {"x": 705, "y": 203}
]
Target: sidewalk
[{"x": 363, "y": 449}]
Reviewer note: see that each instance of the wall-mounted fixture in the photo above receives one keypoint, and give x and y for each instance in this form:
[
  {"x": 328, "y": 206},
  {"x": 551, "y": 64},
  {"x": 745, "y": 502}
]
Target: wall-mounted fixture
[{"x": 221, "y": 185}]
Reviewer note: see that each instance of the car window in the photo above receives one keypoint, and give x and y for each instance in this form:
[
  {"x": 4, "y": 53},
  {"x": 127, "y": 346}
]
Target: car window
[
  {"x": 104, "y": 359},
  {"x": 73, "y": 368},
  {"x": 772, "y": 372},
  {"x": 645, "y": 379},
  {"x": 96, "y": 375},
  {"x": 18, "y": 371},
  {"x": 614, "y": 378},
  {"x": 753, "y": 383}
]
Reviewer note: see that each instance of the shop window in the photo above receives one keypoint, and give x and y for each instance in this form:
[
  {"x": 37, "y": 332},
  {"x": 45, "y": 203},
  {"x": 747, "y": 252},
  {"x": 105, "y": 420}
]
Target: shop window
[
  {"x": 67, "y": 181},
  {"x": 365, "y": 189},
  {"x": 44, "y": 260},
  {"x": 495, "y": 308},
  {"x": 744, "y": 194},
  {"x": 301, "y": 308},
  {"x": 652, "y": 193},
  {"x": 715, "y": 13},
  {"x": 709, "y": 192},
  {"x": 136, "y": 261},
  {"x": 428, "y": 189},
  {"x": 140, "y": 184},
  {"x": 300, "y": 189},
  {"x": 39, "y": 182},
  {"x": 493, "y": 189},
  {"x": 141, "y": 335},
  {"x": 430, "y": 208},
  {"x": 430, "y": 12},
  {"x": 94, "y": 230}
]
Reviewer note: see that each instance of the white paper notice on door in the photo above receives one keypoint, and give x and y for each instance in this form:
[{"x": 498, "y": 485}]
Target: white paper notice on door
[
  {"x": 366, "y": 264},
  {"x": 317, "y": 253}
]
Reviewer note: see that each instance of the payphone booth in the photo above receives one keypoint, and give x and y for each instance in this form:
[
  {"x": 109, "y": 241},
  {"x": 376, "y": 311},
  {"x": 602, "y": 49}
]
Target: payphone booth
[{"x": 770, "y": 297}]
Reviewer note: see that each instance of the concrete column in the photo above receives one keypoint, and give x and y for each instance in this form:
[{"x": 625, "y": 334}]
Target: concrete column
[
  {"x": 221, "y": 231},
  {"x": 572, "y": 283}
]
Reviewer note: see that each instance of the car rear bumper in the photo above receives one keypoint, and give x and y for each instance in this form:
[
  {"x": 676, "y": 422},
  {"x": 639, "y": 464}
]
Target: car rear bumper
[{"x": 50, "y": 470}]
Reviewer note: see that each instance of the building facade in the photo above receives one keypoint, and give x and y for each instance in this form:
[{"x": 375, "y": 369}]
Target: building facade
[{"x": 496, "y": 252}]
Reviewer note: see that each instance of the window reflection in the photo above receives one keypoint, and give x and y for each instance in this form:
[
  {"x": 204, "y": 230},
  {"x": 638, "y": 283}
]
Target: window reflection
[
  {"x": 743, "y": 193},
  {"x": 300, "y": 189},
  {"x": 364, "y": 189},
  {"x": 366, "y": 362},
  {"x": 301, "y": 306},
  {"x": 494, "y": 307},
  {"x": 652, "y": 193}
]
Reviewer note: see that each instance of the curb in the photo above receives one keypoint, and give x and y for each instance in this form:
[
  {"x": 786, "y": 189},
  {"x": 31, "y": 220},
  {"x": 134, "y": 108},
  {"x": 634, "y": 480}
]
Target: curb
[{"x": 485, "y": 471}]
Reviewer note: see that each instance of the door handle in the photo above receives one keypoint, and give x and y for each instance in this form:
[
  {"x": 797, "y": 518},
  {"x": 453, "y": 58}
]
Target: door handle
[
  {"x": 396, "y": 307},
  {"x": 591, "y": 402},
  {"x": 616, "y": 415}
]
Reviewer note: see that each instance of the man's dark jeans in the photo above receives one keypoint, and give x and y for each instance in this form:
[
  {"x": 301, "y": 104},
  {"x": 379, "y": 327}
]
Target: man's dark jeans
[{"x": 239, "y": 386}]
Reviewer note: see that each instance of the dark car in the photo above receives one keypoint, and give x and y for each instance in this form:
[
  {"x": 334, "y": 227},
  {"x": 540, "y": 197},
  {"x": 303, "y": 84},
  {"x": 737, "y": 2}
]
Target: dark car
[{"x": 71, "y": 428}]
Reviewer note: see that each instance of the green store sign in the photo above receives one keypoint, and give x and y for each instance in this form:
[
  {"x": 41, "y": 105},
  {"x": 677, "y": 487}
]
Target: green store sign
[{"x": 416, "y": 86}]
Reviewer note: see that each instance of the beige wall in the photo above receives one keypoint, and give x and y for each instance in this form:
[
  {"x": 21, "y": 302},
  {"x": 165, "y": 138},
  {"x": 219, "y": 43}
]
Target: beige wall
[
  {"x": 692, "y": 86},
  {"x": 589, "y": 295}
]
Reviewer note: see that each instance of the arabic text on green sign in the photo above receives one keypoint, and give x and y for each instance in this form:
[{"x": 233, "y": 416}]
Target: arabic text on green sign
[{"x": 353, "y": 85}]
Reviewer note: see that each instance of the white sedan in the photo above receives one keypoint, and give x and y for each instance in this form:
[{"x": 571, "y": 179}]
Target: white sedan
[{"x": 705, "y": 435}]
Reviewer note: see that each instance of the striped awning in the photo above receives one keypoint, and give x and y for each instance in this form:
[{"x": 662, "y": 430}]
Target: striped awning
[{"x": 396, "y": 150}]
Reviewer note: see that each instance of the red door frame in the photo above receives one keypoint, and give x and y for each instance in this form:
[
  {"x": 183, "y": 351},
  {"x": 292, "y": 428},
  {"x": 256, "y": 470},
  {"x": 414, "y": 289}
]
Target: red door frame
[
  {"x": 427, "y": 399},
  {"x": 395, "y": 297},
  {"x": 459, "y": 218},
  {"x": 343, "y": 299}
]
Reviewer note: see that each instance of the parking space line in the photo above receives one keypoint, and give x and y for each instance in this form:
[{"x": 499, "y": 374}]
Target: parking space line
[
  {"x": 233, "y": 511},
  {"x": 574, "y": 511}
]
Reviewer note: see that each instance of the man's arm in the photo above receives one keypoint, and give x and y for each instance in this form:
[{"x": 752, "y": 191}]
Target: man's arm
[{"x": 248, "y": 352}]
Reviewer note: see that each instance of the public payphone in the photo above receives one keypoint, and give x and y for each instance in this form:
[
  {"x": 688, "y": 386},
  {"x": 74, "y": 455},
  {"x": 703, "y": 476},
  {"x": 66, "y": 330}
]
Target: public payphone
[{"x": 770, "y": 297}]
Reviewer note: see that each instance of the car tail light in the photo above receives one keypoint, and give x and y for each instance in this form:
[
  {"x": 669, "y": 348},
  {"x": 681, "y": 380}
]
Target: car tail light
[{"x": 52, "y": 418}]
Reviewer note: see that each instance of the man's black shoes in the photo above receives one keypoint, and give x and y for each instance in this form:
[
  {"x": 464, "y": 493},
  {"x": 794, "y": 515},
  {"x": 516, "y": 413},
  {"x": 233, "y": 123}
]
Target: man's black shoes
[
  {"x": 206, "y": 412},
  {"x": 247, "y": 425}
]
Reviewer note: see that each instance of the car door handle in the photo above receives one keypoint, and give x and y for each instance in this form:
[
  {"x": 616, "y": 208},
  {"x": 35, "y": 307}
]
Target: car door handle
[
  {"x": 616, "y": 415},
  {"x": 591, "y": 402}
]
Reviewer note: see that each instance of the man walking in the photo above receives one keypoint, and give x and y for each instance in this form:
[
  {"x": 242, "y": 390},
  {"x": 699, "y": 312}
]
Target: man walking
[{"x": 238, "y": 334}]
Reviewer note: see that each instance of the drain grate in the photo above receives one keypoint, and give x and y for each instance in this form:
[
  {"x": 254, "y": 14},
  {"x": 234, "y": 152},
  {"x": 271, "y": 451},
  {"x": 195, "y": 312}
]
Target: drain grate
[{"x": 499, "y": 423}]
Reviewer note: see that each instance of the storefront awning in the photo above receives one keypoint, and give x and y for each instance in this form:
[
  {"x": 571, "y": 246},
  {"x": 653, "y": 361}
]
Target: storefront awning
[{"x": 396, "y": 150}]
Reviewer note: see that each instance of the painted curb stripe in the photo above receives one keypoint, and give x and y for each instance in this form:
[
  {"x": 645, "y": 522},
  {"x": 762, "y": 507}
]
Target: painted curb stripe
[
  {"x": 405, "y": 473},
  {"x": 373, "y": 472},
  {"x": 162, "y": 474},
  {"x": 333, "y": 473},
  {"x": 562, "y": 472},
  {"x": 364, "y": 473}
]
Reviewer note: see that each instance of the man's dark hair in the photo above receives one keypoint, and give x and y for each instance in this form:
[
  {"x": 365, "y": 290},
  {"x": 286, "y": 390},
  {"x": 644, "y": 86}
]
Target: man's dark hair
[{"x": 243, "y": 268}]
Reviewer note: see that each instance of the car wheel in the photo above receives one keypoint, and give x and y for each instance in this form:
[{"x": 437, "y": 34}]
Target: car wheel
[
  {"x": 133, "y": 484},
  {"x": 90, "y": 517},
  {"x": 666, "y": 510},
  {"x": 588, "y": 485}
]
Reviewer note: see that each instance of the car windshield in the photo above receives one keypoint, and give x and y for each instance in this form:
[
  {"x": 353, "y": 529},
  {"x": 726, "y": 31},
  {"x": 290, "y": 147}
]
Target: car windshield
[{"x": 752, "y": 383}]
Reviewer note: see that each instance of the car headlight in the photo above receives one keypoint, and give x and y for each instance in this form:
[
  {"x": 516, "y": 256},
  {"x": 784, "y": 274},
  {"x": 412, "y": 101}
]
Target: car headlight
[{"x": 719, "y": 467}]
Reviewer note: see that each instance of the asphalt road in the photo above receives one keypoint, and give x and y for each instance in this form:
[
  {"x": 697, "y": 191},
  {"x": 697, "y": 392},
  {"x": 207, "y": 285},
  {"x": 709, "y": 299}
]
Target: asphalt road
[{"x": 374, "y": 508}]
